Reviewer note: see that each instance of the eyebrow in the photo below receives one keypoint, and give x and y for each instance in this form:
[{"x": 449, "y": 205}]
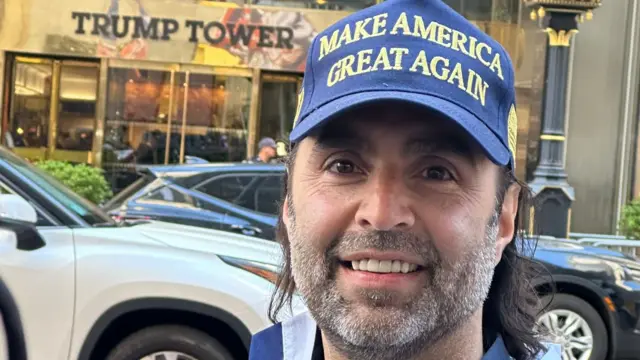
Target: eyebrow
[
  {"x": 343, "y": 138},
  {"x": 347, "y": 138},
  {"x": 442, "y": 144}
]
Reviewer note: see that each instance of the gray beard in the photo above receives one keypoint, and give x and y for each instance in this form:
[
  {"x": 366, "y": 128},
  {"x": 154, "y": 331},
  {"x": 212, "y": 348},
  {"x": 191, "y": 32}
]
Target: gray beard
[{"x": 452, "y": 294}]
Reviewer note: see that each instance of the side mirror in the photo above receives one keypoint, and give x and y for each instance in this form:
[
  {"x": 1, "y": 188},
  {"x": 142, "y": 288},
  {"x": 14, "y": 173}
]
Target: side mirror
[{"x": 18, "y": 216}]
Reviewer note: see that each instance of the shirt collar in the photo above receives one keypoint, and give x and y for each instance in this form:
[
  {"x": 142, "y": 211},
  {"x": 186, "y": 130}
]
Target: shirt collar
[{"x": 497, "y": 351}]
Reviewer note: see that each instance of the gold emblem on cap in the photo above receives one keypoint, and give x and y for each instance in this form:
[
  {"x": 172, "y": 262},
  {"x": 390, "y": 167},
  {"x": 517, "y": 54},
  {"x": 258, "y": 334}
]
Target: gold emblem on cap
[
  {"x": 513, "y": 130},
  {"x": 298, "y": 107}
]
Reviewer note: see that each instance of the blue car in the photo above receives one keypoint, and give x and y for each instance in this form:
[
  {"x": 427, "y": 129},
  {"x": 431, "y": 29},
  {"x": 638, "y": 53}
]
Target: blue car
[{"x": 234, "y": 197}]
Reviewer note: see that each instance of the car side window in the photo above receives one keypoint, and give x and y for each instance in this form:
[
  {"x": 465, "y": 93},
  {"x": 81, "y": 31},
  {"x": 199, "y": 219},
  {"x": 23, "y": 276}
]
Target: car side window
[
  {"x": 169, "y": 194},
  {"x": 268, "y": 195},
  {"x": 231, "y": 188}
]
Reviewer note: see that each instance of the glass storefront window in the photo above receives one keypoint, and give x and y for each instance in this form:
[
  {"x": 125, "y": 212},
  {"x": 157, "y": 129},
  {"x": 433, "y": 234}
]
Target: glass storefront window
[
  {"x": 487, "y": 10},
  {"x": 53, "y": 109},
  {"x": 278, "y": 105},
  {"x": 169, "y": 115},
  {"x": 217, "y": 117},
  {"x": 77, "y": 113},
  {"x": 30, "y": 110}
]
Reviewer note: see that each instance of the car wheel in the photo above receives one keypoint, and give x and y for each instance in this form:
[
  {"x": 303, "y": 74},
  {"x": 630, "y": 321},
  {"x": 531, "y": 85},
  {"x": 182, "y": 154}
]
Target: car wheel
[
  {"x": 169, "y": 342},
  {"x": 576, "y": 325}
]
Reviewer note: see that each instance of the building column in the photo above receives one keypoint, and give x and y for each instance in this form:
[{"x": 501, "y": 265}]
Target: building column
[{"x": 553, "y": 195}]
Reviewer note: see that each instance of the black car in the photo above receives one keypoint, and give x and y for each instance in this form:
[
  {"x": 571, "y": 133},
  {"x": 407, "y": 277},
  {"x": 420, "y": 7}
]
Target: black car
[
  {"x": 594, "y": 309},
  {"x": 235, "y": 197}
]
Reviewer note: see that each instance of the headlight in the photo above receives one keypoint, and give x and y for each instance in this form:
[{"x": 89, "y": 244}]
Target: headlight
[
  {"x": 618, "y": 271},
  {"x": 266, "y": 271},
  {"x": 634, "y": 274}
]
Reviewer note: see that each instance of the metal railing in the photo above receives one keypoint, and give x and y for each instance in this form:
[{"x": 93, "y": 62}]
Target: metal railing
[{"x": 612, "y": 242}]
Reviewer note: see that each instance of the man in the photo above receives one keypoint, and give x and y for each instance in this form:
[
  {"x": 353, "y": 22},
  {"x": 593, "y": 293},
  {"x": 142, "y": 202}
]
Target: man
[
  {"x": 402, "y": 210},
  {"x": 266, "y": 151}
]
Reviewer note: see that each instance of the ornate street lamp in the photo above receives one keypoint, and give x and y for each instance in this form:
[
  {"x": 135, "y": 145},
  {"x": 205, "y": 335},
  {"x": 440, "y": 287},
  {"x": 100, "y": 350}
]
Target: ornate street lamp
[{"x": 552, "y": 193}]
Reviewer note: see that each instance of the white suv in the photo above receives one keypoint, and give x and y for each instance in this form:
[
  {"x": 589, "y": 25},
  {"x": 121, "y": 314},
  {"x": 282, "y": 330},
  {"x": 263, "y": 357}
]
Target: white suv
[{"x": 88, "y": 288}]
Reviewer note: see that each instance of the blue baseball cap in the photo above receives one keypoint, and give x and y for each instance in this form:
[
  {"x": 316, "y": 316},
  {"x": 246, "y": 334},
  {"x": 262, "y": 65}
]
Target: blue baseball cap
[{"x": 415, "y": 51}]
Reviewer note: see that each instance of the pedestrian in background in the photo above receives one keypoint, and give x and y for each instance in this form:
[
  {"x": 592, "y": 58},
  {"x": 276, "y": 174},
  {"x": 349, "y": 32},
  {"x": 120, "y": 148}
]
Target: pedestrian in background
[{"x": 267, "y": 151}]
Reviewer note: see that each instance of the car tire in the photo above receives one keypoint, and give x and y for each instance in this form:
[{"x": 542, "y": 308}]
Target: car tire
[
  {"x": 588, "y": 313},
  {"x": 169, "y": 338}
]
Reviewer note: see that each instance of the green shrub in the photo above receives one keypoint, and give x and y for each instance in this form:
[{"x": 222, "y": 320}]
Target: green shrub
[
  {"x": 86, "y": 181},
  {"x": 630, "y": 220}
]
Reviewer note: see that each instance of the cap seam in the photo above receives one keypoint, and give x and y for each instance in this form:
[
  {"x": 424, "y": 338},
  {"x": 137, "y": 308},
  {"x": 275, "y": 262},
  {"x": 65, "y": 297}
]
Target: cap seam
[
  {"x": 409, "y": 92},
  {"x": 313, "y": 76}
]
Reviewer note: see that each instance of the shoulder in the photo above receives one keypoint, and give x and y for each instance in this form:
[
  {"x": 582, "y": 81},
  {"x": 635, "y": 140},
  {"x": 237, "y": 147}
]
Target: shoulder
[
  {"x": 553, "y": 352},
  {"x": 267, "y": 344},
  {"x": 292, "y": 339}
]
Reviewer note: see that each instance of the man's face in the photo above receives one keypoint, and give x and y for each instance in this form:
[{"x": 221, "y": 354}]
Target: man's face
[
  {"x": 394, "y": 229},
  {"x": 269, "y": 152}
]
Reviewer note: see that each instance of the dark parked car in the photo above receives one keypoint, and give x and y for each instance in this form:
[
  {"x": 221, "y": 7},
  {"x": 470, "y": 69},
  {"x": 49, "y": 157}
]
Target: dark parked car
[
  {"x": 594, "y": 312},
  {"x": 596, "y": 306},
  {"x": 235, "y": 197}
]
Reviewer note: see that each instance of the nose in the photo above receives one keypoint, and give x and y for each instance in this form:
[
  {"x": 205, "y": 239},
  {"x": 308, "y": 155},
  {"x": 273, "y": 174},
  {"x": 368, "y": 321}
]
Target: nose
[{"x": 385, "y": 206}]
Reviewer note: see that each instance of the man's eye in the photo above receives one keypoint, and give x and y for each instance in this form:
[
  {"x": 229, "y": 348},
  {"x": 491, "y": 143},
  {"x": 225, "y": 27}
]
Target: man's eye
[
  {"x": 342, "y": 167},
  {"x": 437, "y": 173}
]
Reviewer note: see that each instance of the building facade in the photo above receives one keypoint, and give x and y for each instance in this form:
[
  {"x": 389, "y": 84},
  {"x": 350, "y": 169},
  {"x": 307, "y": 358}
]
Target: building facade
[
  {"x": 602, "y": 161},
  {"x": 118, "y": 82},
  {"x": 97, "y": 81}
]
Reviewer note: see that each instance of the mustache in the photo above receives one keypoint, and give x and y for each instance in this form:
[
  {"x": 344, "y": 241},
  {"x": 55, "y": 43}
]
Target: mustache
[{"x": 400, "y": 241}]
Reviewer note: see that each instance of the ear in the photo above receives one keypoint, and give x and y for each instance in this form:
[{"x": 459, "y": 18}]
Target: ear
[{"x": 506, "y": 222}]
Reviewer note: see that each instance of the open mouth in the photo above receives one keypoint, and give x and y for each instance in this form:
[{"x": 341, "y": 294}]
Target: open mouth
[{"x": 381, "y": 266}]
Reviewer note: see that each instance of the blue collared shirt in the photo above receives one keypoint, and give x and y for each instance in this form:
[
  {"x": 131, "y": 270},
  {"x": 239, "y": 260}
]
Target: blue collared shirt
[{"x": 295, "y": 339}]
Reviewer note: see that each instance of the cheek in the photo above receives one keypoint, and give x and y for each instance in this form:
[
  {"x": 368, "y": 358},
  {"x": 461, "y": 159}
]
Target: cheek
[
  {"x": 320, "y": 217},
  {"x": 454, "y": 227}
]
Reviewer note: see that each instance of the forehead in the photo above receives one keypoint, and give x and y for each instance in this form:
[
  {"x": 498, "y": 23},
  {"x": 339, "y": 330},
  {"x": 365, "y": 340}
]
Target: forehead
[{"x": 395, "y": 124}]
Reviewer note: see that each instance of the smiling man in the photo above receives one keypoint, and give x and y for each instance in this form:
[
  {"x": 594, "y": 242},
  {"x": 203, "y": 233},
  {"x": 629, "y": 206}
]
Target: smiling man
[{"x": 401, "y": 215}]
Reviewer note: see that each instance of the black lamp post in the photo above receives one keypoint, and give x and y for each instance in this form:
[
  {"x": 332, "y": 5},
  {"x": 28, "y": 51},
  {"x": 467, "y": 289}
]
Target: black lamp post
[{"x": 552, "y": 192}]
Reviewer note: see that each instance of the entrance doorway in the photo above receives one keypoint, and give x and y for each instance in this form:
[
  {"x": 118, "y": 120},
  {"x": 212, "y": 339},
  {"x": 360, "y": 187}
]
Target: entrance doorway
[
  {"x": 52, "y": 108},
  {"x": 278, "y": 105}
]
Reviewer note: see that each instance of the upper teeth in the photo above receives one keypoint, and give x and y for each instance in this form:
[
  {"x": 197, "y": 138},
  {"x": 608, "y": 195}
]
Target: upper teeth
[{"x": 383, "y": 266}]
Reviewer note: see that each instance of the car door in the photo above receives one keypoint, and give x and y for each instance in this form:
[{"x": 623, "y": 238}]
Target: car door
[
  {"x": 41, "y": 282},
  {"x": 173, "y": 203},
  {"x": 235, "y": 193}
]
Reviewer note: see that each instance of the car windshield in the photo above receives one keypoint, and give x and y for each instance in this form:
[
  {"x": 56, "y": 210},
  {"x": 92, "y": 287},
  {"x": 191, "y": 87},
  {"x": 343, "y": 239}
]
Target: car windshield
[{"x": 70, "y": 200}]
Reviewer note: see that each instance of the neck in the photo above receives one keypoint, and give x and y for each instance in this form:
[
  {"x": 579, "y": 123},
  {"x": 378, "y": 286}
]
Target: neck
[{"x": 463, "y": 343}]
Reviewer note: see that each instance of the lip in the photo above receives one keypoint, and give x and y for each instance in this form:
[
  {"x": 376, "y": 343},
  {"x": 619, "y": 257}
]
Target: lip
[
  {"x": 387, "y": 281},
  {"x": 382, "y": 255}
]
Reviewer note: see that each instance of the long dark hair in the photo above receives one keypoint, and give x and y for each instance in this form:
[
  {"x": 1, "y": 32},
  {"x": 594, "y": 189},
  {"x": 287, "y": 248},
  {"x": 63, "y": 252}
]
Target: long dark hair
[{"x": 512, "y": 305}]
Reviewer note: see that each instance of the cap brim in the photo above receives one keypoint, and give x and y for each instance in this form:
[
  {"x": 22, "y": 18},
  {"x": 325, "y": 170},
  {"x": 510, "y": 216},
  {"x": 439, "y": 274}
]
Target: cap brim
[{"x": 495, "y": 150}]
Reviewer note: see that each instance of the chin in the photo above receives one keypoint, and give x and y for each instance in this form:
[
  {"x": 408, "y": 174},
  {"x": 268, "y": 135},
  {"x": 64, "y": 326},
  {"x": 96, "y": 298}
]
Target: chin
[{"x": 375, "y": 327}]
